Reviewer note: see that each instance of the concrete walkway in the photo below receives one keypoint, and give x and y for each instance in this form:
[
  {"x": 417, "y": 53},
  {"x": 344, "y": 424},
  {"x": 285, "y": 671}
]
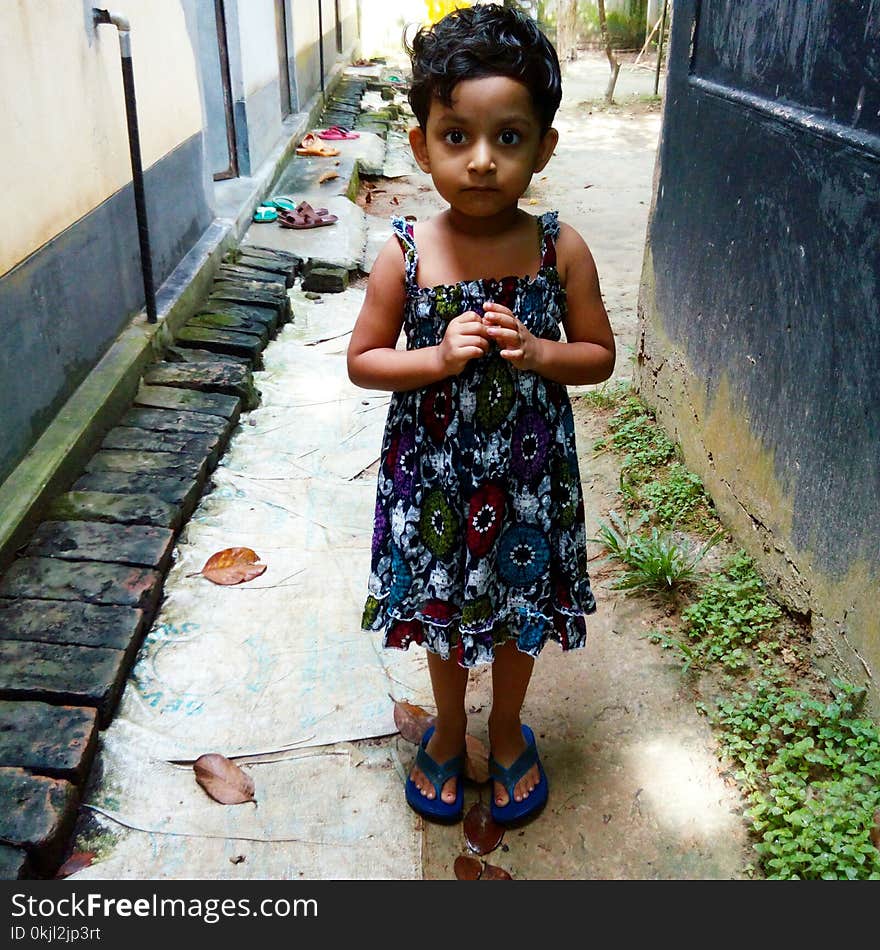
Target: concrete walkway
[{"x": 276, "y": 672}]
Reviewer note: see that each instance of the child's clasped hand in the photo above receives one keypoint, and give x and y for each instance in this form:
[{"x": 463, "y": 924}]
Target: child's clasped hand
[
  {"x": 515, "y": 342},
  {"x": 469, "y": 336}
]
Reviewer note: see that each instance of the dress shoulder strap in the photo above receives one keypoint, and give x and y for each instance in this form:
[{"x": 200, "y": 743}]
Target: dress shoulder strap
[
  {"x": 549, "y": 233},
  {"x": 403, "y": 231}
]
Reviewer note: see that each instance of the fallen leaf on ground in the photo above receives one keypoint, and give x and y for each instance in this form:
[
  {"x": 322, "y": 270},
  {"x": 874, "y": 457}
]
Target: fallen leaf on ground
[
  {"x": 482, "y": 833},
  {"x": 223, "y": 780},
  {"x": 395, "y": 200},
  {"x": 76, "y": 862},
  {"x": 232, "y": 566},
  {"x": 476, "y": 763},
  {"x": 327, "y": 176},
  {"x": 467, "y": 868},
  {"x": 238, "y": 859},
  {"x": 412, "y": 721},
  {"x": 492, "y": 872}
]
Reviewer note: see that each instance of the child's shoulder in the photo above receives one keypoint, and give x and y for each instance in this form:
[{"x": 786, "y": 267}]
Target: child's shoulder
[{"x": 571, "y": 249}]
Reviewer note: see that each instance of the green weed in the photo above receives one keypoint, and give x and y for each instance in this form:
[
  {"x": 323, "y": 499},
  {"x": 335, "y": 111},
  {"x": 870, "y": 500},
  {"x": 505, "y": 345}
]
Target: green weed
[
  {"x": 636, "y": 435},
  {"x": 677, "y": 497},
  {"x": 811, "y": 771},
  {"x": 657, "y": 563},
  {"x": 608, "y": 395},
  {"x": 732, "y": 614}
]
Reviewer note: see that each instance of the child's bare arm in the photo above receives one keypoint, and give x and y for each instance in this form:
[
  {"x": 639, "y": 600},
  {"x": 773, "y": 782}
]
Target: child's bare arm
[
  {"x": 588, "y": 355},
  {"x": 373, "y": 361}
]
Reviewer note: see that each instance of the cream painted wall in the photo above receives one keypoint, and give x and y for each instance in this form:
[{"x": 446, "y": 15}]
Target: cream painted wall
[
  {"x": 65, "y": 145},
  {"x": 259, "y": 56}
]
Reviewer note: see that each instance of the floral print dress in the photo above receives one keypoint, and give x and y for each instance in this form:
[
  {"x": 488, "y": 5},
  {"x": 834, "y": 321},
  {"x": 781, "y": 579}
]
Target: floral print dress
[{"x": 479, "y": 524}]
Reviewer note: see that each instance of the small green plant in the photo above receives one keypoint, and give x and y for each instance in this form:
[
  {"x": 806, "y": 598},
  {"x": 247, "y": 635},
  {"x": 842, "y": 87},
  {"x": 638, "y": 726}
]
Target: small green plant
[
  {"x": 657, "y": 563},
  {"x": 732, "y": 614},
  {"x": 608, "y": 395},
  {"x": 675, "y": 497},
  {"x": 811, "y": 770},
  {"x": 636, "y": 435},
  {"x": 668, "y": 642}
]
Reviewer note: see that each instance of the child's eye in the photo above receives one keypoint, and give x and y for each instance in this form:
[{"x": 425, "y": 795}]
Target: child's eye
[
  {"x": 509, "y": 137},
  {"x": 454, "y": 137}
]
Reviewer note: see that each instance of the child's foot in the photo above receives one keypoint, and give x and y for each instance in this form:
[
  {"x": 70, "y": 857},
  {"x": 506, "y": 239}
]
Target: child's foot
[
  {"x": 445, "y": 744},
  {"x": 508, "y": 745}
]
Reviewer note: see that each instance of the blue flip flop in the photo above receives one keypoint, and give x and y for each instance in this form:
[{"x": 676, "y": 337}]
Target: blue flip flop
[
  {"x": 264, "y": 214},
  {"x": 435, "y": 808},
  {"x": 515, "y": 811}
]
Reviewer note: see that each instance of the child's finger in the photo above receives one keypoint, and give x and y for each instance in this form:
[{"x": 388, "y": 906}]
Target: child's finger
[
  {"x": 496, "y": 308},
  {"x": 500, "y": 318},
  {"x": 504, "y": 335}
]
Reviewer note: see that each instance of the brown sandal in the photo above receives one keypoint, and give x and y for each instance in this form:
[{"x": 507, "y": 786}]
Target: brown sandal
[
  {"x": 311, "y": 145},
  {"x": 305, "y": 217}
]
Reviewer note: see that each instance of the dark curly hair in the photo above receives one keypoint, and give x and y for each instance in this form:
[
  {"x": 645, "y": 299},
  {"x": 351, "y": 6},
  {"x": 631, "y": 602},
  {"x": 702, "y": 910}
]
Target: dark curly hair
[{"x": 485, "y": 40}]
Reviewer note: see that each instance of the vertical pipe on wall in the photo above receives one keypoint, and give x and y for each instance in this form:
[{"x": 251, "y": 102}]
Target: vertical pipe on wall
[
  {"x": 134, "y": 149},
  {"x": 660, "y": 47},
  {"x": 321, "y": 41}
]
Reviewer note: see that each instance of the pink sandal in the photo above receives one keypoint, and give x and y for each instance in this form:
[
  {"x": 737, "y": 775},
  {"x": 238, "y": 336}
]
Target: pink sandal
[{"x": 337, "y": 134}]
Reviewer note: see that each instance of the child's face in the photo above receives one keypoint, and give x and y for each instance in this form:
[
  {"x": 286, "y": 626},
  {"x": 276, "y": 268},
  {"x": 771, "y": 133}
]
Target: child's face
[{"x": 482, "y": 151}]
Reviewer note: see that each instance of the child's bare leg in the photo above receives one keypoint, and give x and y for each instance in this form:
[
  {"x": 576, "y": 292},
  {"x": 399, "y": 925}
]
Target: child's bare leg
[
  {"x": 449, "y": 682},
  {"x": 511, "y": 672}
]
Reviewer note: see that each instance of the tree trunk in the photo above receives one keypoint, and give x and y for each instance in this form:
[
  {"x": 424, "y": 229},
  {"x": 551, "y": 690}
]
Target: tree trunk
[
  {"x": 612, "y": 61},
  {"x": 566, "y": 30}
]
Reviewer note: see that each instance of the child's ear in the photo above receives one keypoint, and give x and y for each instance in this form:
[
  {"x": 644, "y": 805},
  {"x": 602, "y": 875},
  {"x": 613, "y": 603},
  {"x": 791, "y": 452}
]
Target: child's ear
[
  {"x": 419, "y": 145},
  {"x": 545, "y": 149}
]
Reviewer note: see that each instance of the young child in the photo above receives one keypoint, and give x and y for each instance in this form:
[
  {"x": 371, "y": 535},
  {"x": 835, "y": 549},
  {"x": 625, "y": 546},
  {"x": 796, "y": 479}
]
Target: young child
[{"x": 479, "y": 546}]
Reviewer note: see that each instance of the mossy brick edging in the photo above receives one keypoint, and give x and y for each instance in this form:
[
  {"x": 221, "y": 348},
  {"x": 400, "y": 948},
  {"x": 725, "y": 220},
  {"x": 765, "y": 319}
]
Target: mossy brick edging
[
  {"x": 78, "y": 600},
  {"x": 55, "y": 741},
  {"x": 38, "y": 815}
]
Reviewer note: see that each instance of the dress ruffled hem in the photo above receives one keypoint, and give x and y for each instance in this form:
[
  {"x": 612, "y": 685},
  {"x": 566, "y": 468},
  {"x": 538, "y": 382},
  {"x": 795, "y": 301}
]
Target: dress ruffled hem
[{"x": 473, "y": 643}]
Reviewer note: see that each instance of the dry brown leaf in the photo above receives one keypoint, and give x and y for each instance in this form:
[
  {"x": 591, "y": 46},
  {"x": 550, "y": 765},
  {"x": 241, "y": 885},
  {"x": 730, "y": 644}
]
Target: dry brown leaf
[
  {"x": 223, "y": 780},
  {"x": 327, "y": 176},
  {"x": 493, "y": 873},
  {"x": 412, "y": 721},
  {"x": 482, "y": 833},
  {"x": 467, "y": 868},
  {"x": 233, "y": 566},
  {"x": 395, "y": 200},
  {"x": 875, "y": 830},
  {"x": 76, "y": 862},
  {"x": 476, "y": 763}
]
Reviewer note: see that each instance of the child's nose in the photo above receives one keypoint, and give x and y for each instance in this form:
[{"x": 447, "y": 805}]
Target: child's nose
[{"x": 481, "y": 157}]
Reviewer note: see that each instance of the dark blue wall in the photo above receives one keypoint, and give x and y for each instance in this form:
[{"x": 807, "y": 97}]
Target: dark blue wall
[
  {"x": 62, "y": 307},
  {"x": 766, "y": 244},
  {"x": 765, "y": 268}
]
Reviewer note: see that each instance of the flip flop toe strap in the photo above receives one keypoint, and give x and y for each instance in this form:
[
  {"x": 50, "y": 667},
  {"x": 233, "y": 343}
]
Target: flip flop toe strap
[
  {"x": 510, "y": 776},
  {"x": 438, "y": 774}
]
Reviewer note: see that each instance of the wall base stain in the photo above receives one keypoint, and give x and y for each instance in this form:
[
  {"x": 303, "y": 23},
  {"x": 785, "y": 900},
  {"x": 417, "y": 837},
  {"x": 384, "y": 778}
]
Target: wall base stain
[{"x": 738, "y": 472}]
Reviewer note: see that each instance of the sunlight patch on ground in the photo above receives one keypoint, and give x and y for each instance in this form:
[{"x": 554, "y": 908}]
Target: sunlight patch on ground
[{"x": 680, "y": 786}]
